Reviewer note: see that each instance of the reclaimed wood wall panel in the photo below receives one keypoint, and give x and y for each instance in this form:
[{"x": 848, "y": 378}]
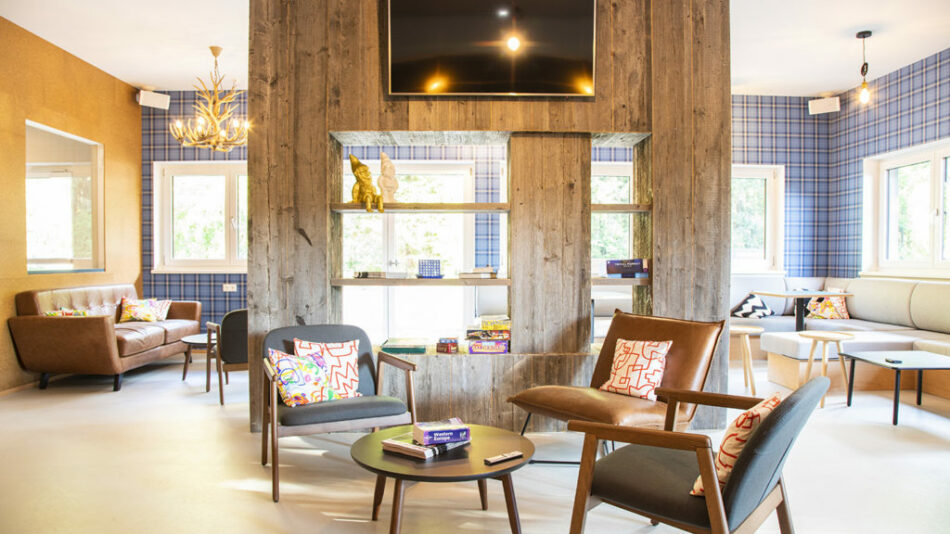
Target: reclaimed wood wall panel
[
  {"x": 661, "y": 69},
  {"x": 549, "y": 242},
  {"x": 691, "y": 178}
]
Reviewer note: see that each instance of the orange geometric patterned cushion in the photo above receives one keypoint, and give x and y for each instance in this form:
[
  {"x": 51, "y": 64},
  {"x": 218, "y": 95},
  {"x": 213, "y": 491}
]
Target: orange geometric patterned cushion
[
  {"x": 637, "y": 368},
  {"x": 735, "y": 439},
  {"x": 341, "y": 360}
]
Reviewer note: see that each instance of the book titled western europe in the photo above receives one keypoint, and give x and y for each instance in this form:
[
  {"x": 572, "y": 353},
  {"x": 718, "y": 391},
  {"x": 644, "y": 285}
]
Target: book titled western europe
[
  {"x": 437, "y": 432},
  {"x": 404, "y": 444}
]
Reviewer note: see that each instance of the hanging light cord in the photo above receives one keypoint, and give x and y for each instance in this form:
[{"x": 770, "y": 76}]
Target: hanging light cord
[{"x": 864, "y": 65}]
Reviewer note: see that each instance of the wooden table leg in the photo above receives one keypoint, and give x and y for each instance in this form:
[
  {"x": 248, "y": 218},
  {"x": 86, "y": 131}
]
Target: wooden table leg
[
  {"x": 897, "y": 393},
  {"x": 824, "y": 366},
  {"x": 184, "y": 371},
  {"x": 208, "y": 369},
  {"x": 483, "y": 492},
  {"x": 811, "y": 360},
  {"x": 378, "y": 495},
  {"x": 398, "y": 493},
  {"x": 513, "y": 519},
  {"x": 851, "y": 382}
]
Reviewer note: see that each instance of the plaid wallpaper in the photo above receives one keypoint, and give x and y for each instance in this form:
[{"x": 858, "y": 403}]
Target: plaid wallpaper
[
  {"x": 159, "y": 145},
  {"x": 908, "y": 107},
  {"x": 777, "y": 130}
]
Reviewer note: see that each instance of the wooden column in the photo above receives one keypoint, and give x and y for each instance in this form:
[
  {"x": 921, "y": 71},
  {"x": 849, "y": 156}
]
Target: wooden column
[
  {"x": 549, "y": 228},
  {"x": 691, "y": 170}
]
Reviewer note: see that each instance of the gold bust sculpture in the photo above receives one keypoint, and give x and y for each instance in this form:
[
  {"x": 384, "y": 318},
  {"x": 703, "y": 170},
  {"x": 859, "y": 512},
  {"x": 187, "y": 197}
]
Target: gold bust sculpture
[{"x": 363, "y": 190}]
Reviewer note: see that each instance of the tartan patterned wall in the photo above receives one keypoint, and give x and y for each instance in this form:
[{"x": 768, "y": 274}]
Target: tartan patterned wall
[
  {"x": 159, "y": 145},
  {"x": 777, "y": 130},
  {"x": 909, "y": 107}
]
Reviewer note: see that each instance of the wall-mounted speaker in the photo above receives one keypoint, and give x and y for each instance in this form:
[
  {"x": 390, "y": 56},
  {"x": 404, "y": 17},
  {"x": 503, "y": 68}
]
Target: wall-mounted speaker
[
  {"x": 823, "y": 105},
  {"x": 153, "y": 100}
]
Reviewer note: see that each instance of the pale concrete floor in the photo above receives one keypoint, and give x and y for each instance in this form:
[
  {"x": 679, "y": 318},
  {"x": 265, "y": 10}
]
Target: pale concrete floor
[{"x": 163, "y": 456}]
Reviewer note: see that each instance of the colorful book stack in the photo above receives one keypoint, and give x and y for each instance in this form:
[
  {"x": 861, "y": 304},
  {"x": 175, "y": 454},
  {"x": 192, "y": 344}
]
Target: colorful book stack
[
  {"x": 491, "y": 336},
  {"x": 632, "y": 268},
  {"x": 430, "y": 439}
]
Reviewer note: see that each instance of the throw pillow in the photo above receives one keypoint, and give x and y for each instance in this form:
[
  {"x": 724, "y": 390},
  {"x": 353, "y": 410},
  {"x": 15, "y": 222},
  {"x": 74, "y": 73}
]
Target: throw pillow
[
  {"x": 638, "y": 368},
  {"x": 752, "y": 307},
  {"x": 136, "y": 310},
  {"x": 828, "y": 307},
  {"x": 735, "y": 439},
  {"x": 66, "y": 312},
  {"x": 341, "y": 360},
  {"x": 300, "y": 380},
  {"x": 160, "y": 307}
]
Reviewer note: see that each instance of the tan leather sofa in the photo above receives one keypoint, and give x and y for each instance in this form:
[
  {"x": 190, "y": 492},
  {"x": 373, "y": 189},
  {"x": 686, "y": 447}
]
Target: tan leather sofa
[{"x": 97, "y": 344}]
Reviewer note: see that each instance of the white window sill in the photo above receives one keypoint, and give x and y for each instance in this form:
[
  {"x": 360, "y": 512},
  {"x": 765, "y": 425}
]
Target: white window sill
[
  {"x": 200, "y": 270},
  {"x": 763, "y": 272},
  {"x": 914, "y": 275}
]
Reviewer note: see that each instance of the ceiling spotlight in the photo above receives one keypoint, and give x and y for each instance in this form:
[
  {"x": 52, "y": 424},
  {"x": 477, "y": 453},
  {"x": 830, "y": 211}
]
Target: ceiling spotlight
[
  {"x": 503, "y": 12},
  {"x": 864, "y": 96},
  {"x": 513, "y": 43}
]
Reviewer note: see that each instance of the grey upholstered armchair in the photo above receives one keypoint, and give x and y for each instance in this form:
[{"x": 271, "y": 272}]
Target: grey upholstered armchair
[
  {"x": 371, "y": 410},
  {"x": 654, "y": 474}
]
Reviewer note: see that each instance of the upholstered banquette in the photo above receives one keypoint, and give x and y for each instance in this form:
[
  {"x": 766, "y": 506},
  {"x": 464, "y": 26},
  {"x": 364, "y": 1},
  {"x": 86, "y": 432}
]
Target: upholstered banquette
[{"x": 95, "y": 344}]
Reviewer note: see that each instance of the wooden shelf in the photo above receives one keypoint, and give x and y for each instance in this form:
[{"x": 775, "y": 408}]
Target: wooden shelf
[
  {"x": 621, "y": 208},
  {"x": 425, "y": 207},
  {"x": 420, "y": 282},
  {"x": 620, "y": 281}
]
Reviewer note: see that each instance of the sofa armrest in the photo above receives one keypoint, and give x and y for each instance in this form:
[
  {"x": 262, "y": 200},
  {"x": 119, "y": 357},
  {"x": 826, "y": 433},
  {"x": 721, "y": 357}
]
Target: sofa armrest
[
  {"x": 185, "y": 309},
  {"x": 84, "y": 345}
]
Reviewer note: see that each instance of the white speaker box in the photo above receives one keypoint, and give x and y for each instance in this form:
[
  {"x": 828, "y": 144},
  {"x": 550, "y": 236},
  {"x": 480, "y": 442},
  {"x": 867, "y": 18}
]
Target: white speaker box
[
  {"x": 153, "y": 100},
  {"x": 823, "y": 105}
]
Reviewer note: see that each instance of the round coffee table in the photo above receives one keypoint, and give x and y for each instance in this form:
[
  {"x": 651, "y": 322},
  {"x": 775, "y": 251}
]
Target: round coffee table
[
  {"x": 199, "y": 341},
  {"x": 458, "y": 465}
]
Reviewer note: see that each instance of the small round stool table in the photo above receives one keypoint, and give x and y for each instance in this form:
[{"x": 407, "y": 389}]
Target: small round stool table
[
  {"x": 745, "y": 347},
  {"x": 199, "y": 341},
  {"x": 823, "y": 337}
]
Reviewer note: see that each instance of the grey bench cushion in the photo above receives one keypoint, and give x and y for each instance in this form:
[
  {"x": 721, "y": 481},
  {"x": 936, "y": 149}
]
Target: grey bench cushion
[
  {"x": 340, "y": 410},
  {"x": 851, "y": 325},
  {"x": 792, "y": 345},
  {"x": 774, "y": 323},
  {"x": 653, "y": 480}
]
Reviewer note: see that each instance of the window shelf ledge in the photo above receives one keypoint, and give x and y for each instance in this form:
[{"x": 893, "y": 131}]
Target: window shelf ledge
[
  {"x": 620, "y": 281},
  {"x": 420, "y": 282},
  {"x": 425, "y": 207},
  {"x": 622, "y": 208}
]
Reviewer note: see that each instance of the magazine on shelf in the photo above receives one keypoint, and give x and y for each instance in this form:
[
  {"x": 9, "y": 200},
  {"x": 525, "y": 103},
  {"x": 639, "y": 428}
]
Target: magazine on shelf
[{"x": 404, "y": 444}]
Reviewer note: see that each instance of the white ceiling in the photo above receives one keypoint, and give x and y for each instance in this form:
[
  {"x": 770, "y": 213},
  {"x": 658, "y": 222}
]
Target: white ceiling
[{"x": 803, "y": 47}]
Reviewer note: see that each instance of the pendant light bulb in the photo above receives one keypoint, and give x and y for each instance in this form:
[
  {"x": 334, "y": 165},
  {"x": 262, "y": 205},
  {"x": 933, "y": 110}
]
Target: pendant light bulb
[{"x": 864, "y": 96}]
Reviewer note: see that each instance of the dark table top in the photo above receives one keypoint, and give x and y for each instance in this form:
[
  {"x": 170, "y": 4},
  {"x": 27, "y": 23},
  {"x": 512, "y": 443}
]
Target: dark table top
[
  {"x": 910, "y": 359},
  {"x": 463, "y": 463}
]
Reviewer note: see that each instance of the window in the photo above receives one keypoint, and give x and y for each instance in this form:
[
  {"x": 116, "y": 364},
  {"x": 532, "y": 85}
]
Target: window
[
  {"x": 63, "y": 198},
  {"x": 906, "y": 224},
  {"x": 395, "y": 242},
  {"x": 610, "y": 233},
  {"x": 758, "y": 217},
  {"x": 200, "y": 217}
]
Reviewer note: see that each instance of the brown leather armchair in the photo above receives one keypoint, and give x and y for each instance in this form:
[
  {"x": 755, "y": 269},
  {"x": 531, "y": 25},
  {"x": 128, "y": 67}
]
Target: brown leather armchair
[{"x": 687, "y": 364}]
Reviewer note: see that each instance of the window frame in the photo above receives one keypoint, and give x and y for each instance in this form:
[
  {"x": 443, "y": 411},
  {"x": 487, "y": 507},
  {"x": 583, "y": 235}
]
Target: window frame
[
  {"x": 874, "y": 256},
  {"x": 389, "y": 231},
  {"x": 611, "y": 168},
  {"x": 774, "y": 261},
  {"x": 162, "y": 235}
]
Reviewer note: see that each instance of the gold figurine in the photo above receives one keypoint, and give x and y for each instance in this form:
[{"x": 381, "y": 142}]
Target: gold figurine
[{"x": 363, "y": 190}]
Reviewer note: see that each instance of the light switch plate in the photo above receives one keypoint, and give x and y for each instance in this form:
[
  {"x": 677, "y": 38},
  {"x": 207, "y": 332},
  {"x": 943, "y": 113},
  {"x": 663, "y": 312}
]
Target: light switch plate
[{"x": 229, "y": 288}]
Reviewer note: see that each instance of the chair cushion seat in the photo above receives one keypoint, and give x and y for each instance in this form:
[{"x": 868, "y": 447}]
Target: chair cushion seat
[
  {"x": 591, "y": 404},
  {"x": 652, "y": 480},
  {"x": 340, "y": 410},
  {"x": 135, "y": 337}
]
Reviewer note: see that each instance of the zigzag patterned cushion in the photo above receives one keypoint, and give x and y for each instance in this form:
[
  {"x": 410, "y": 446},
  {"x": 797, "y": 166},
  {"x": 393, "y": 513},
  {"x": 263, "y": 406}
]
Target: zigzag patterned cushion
[
  {"x": 638, "y": 368},
  {"x": 752, "y": 307},
  {"x": 339, "y": 359}
]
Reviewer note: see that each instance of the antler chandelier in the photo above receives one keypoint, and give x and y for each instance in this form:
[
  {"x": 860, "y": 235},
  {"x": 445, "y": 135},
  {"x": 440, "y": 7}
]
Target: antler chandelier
[{"x": 214, "y": 125}]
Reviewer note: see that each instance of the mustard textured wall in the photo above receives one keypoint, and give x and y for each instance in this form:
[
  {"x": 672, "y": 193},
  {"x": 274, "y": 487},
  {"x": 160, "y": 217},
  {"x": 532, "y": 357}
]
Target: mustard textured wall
[{"x": 45, "y": 84}]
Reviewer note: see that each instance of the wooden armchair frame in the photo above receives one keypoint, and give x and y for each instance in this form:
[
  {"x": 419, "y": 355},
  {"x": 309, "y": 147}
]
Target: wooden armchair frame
[
  {"x": 698, "y": 443},
  {"x": 277, "y": 430},
  {"x": 214, "y": 337}
]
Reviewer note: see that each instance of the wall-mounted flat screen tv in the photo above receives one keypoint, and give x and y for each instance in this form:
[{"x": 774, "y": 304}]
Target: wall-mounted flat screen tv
[{"x": 486, "y": 47}]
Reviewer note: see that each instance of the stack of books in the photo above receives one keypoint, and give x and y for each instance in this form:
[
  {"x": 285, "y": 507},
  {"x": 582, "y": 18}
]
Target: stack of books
[
  {"x": 404, "y": 345},
  {"x": 480, "y": 272},
  {"x": 632, "y": 268},
  {"x": 430, "y": 439},
  {"x": 380, "y": 274},
  {"x": 491, "y": 336}
]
